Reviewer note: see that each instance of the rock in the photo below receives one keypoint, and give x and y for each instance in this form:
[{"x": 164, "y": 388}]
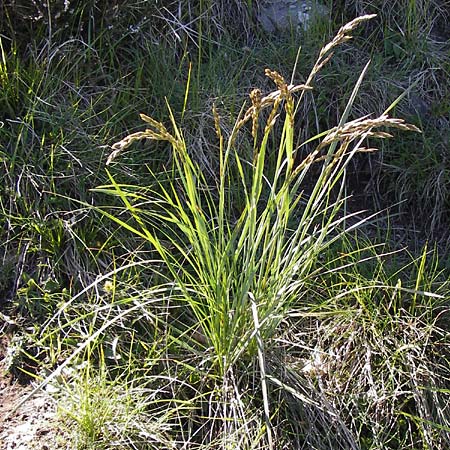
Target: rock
[{"x": 278, "y": 16}]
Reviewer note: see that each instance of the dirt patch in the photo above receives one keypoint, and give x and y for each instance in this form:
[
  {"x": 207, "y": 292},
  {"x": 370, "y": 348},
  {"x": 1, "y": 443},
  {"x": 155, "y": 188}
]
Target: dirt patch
[{"x": 34, "y": 424}]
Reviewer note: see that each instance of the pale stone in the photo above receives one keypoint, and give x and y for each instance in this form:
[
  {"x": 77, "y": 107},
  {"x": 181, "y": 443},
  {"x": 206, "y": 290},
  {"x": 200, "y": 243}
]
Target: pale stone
[{"x": 278, "y": 16}]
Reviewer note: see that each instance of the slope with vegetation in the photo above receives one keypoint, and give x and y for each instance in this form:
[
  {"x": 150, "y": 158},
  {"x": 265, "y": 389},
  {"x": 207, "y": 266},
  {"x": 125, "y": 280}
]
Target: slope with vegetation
[{"x": 188, "y": 266}]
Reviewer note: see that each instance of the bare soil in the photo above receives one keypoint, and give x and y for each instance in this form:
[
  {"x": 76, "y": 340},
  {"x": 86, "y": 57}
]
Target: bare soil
[{"x": 33, "y": 425}]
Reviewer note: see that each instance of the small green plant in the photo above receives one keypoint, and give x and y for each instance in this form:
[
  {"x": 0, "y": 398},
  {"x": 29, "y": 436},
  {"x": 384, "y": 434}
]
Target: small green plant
[{"x": 105, "y": 413}]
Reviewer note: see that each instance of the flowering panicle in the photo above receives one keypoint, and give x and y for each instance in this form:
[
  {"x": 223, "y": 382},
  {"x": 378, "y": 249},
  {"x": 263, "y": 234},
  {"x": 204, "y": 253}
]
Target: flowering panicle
[{"x": 158, "y": 133}]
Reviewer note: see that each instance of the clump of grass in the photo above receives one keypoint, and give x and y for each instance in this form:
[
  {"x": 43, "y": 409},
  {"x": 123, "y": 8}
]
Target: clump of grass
[
  {"x": 104, "y": 413},
  {"x": 258, "y": 256}
]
